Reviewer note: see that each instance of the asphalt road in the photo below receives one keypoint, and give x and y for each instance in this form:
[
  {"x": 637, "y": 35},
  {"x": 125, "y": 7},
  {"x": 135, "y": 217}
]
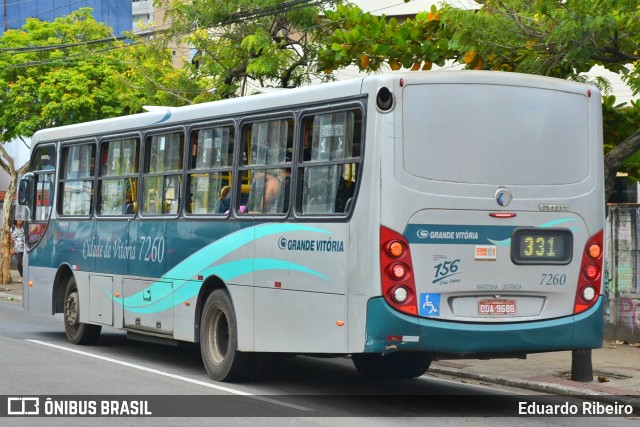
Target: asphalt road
[{"x": 37, "y": 360}]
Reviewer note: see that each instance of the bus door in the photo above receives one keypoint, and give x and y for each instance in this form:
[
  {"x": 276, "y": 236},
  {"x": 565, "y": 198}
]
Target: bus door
[
  {"x": 148, "y": 293},
  {"x": 148, "y": 303},
  {"x": 39, "y": 195}
]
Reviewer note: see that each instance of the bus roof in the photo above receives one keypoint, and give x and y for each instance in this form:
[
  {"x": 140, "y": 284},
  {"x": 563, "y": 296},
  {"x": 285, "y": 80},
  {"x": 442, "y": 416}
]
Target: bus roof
[
  {"x": 266, "y": 102},
  {"x": 167, "y": 116}
]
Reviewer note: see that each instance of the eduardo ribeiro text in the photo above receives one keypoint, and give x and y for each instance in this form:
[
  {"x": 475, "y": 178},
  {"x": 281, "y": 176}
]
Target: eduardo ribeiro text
[{"x": 585, "y": 408}]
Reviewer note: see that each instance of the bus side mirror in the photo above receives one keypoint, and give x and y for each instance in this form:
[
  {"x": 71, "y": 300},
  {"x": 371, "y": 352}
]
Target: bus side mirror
[{"x": 24, "y": 190}]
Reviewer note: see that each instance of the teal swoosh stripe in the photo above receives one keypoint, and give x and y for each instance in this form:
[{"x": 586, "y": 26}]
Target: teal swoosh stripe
[
  {"x": 226, "y": 272},
  {"x": 160, "y": 291},
  {"x": 507, "y": 242},
  {"x": 231, "y": 270},
  {"x": 198, "y": 261},
  {"x": 556, "y": 222},
  {"x": 203, "y": 260},
  {"x": 167, "y": 116}
]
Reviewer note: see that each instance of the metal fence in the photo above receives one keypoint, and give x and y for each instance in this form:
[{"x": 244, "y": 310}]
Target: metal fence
[{"x": 622, "y": 281}]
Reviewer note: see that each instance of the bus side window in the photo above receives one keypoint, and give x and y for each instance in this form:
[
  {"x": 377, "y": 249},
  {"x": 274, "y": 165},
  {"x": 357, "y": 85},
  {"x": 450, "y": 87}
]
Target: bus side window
[
  {"x": 117, "y": 178},
  {"x": 44, "y": 196},
  {"x": 267, "y": 148},
  {"x": 210, "y": 170},
  {"x": 330, "y": 162},
  {"x": 77, "y": 179},
  {"x": 162, "y": 180}
]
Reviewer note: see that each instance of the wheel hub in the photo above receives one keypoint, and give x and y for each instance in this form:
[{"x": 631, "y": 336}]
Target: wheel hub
[
  {"x": 219, "y": 336},
  {"x": 71, "y": 309}
]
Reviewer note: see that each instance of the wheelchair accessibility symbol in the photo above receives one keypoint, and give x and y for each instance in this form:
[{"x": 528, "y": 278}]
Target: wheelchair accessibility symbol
[{"x": 429, "y": 305}]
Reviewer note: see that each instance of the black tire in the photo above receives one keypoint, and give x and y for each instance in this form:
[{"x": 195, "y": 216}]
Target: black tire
[
  {"x": 219, "y": 341},
  {"x": 400, "y": 365},
  {"x": 77, "y": 333}
]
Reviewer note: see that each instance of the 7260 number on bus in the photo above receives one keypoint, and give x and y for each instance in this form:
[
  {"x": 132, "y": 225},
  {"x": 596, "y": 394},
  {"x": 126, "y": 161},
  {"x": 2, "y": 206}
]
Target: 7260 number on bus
[
  {"x": 151, "y": 250},
  {"x": 553, "y": 279}
]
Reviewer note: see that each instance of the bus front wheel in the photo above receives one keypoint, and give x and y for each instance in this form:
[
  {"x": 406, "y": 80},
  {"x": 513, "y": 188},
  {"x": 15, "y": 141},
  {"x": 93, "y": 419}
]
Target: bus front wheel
[
  {"x": 77, "y": 333},
  {"x": 410, "y": 364},
  {"x": 219, "y": 340}
]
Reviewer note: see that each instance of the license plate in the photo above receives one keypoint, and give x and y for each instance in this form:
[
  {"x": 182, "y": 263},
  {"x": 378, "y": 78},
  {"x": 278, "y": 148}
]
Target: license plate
[{"x": 497, "y": 307}]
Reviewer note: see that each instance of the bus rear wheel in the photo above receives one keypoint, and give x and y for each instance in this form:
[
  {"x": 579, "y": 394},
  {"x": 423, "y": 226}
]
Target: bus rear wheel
[
  {"x": 219, "y": 341},
  {"x": 77, "y": 333},
  {"x": 409, "y": 364}
]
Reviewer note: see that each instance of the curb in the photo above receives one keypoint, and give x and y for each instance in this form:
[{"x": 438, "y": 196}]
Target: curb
[
  {"x": 4, "y": 296},
  {"x": 543, "y": 387}
]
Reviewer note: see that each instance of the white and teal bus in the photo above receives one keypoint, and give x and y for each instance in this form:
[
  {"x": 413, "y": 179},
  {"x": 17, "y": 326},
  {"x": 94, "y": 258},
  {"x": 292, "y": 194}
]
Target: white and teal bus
[{"x": 399, "y": 218}]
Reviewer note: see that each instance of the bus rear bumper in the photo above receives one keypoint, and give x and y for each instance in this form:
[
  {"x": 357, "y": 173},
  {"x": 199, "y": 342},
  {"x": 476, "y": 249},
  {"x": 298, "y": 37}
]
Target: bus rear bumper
[{"x": 388, "y": 330}]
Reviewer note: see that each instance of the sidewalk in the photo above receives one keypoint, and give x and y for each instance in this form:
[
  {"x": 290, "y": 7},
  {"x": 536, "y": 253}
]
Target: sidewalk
[
  {"x": 12, "y": 292},
  {"x": 616, "y": 372},
  {"x": 616, "y": 368}
]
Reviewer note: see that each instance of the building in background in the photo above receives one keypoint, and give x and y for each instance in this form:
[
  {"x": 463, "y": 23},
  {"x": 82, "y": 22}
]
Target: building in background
[
  {"x": 146, "y": 17},
  {"x": 142, "y": 14},
  {"x": 114, "y": 13}
]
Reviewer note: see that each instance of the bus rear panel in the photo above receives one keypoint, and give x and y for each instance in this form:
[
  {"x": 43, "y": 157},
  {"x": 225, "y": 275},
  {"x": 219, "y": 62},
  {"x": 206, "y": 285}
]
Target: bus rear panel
[{"x": 492, "y": 217}]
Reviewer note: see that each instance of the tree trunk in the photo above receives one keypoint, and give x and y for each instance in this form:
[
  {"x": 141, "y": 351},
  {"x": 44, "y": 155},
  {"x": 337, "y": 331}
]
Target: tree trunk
[
  {"x": 616, "y": 158},
  {"x": 6, "y": 162},
  {"x": 581, "y": 367},
  {"x": 6, "y": 229}
]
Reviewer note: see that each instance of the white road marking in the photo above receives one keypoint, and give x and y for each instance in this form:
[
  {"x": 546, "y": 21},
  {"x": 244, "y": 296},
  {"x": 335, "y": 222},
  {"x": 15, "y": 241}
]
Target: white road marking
[{"x": 174, "y": 376}]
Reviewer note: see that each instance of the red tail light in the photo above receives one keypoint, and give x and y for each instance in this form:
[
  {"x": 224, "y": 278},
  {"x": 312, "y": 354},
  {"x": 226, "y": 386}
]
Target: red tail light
[
  {"x": 590, "y": 280},
  {"x": 396, "y": 269}
]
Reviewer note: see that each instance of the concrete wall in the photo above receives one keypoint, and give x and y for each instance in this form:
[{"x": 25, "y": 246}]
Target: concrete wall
[{"x": 622, "y": 276}]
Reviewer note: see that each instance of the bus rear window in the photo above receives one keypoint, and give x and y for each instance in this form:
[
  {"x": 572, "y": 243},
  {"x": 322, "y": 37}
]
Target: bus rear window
[{"x": 498, "y": 135}]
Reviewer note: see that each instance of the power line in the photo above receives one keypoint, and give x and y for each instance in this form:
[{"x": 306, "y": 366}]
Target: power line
[
  {"x": 61, "y": 46},
  {"x": 281, "y": 8},
  {"x": 245, "y": 16},
  {"x": 286, "y": 6},
  {"x": 237, "y": 17}
]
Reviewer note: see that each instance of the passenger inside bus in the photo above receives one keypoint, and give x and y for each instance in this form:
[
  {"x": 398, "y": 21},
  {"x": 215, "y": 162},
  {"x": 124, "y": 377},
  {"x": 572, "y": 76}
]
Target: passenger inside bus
[
  {"x": 129, "y": 206},
  {"x": 267, "y": 192}
]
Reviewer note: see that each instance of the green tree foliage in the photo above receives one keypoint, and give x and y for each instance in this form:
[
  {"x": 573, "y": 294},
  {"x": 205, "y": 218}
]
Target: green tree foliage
[
  {"x": 369, "y": 42},
  {"x": 558, "y": 38},
  {"x": 73, "y": 70},
  {"x": 50, "y": 76},
  {"x": 149, "y": 76},
  {"x": 564, "y": 39},
  {"x": 621, "y": 139},
  {"x": 272, "y": 43}
]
